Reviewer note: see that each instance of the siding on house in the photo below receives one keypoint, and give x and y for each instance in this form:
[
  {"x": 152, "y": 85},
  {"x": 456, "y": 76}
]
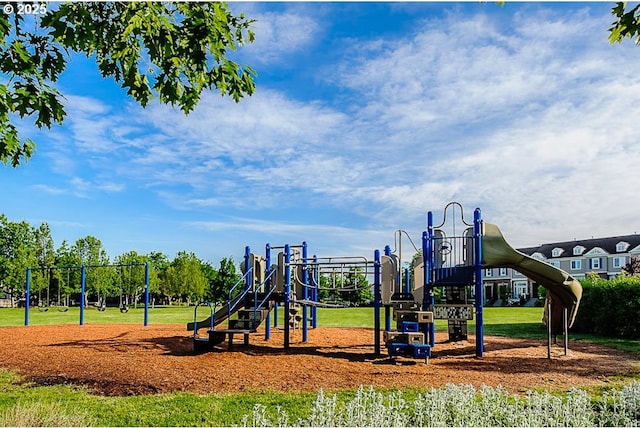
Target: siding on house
[{"x": 603, "y": 256}]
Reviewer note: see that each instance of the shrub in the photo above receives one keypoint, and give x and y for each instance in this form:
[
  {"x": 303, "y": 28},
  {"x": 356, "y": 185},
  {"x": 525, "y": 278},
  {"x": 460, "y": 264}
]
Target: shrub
[
  {"x": 610, "y": 307},
  {"x": 463, "y": 406}
]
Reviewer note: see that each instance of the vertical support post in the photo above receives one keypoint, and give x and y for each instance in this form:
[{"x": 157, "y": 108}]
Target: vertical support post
[
  {"x": 429, "y": 301},
  {"x": 305, "y": 293},
  {"x": 27, "y": 297},
  {"x": 275, "y": 309},
  {"x": 267, "y": 322},
  {"x": 377, "y": 300},
  {"x": 479, "y": 288},
  {"x": 549, "y": 328},
  {"x": 287, "y": 294},
  {"x": 248, "y": 269},
  {"x": 387, "y": 308},
  {"x": 146, "y": 294},
  {"x": 565, "y": 327},
  {"x": 315, "y": 279},
  {"x": 82, "y": 292},
  {"x": 407, "y": 282}
]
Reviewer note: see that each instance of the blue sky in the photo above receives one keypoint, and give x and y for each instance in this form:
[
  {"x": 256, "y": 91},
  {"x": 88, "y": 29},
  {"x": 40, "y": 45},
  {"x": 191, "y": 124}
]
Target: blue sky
[{"x": 366, "y": 116}]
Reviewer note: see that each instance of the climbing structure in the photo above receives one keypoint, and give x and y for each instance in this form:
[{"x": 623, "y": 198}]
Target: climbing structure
[{"x": 450, "y": 265}]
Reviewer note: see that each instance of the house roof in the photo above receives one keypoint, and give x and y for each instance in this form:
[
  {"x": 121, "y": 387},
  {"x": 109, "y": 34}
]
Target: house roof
[{"x": 607, "y": 244}]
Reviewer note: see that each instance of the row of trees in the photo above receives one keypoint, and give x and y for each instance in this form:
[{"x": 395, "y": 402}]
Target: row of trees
[
  {"x": 184, "y": 278},
  {"x": 56, "y": 274}
]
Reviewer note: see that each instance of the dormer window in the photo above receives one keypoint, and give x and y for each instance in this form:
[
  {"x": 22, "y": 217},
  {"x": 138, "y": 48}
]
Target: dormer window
[
  {"x": 622, "y": 246},
  {"x": 556, "y": 252},
  {"x": 578, "y": 250}
]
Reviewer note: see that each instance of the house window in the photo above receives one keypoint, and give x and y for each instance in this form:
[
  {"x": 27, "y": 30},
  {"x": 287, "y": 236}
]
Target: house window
[
  {"x": 622, "y": 246},
  {"x": 556, "y": 252},
  {"x": 488, "y": 272},
  {"x": 578, "y": 250},
  {"x": 595, "y": 263},
  {"x": 576, "y": 264},
  {"x": 520, "y": 289},
  {"x": 555, "y": 264},
  {"x": 619, "y": 262},
  {"x": 503, "y": 272}
]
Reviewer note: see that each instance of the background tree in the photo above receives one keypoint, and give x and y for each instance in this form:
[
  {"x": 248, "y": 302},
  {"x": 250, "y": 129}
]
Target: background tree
[
  {"x": 66, "y": 279},
  {"x": 45, "y": 256},
  {"x": 225, "y": 278},
  {"x": 362, "y": 292},
  {"x": 91, "y": 254},
  {"x": 17, "y": 252},
  {"x": 168, "y": 50},
  {"x": 633, "y": 267},
  {"x": 158, "y": 271},
  {"x": 185, "y": 278},
  {"x": 130, "y": 278}
]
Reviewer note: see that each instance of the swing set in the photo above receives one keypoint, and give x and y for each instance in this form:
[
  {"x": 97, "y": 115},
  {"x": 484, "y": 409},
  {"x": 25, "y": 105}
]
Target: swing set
[{"x": 101, "y": 306}]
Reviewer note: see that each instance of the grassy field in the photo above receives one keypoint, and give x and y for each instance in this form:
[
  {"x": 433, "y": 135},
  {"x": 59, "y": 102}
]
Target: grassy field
[
  {"x": 498, "y": 319},
  {"x": 507, "y": 321},
  {"x": 32, "y": 405}
]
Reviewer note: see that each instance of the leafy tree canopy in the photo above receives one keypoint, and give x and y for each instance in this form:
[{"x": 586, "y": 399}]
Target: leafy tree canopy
[
  {"x": 166, "y": 50},
  {"x": 626, "y": 24}
]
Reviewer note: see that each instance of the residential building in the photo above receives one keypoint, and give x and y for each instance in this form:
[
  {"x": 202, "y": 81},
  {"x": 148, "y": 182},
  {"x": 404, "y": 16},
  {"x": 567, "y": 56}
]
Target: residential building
[{"x": 603, "y": 256}]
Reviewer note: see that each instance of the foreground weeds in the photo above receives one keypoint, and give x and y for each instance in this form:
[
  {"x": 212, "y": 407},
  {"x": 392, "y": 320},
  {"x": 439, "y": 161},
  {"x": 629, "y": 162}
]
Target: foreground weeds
[
  {"x": 42, "y": 415},
  {"x": 463, "y": 406}
]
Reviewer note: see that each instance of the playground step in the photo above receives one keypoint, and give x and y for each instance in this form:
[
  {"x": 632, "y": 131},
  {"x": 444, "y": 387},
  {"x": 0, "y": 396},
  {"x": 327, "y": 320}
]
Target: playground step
[
  {"x": 413, "y": 316},
  {"x": 242, "y": 324},
  {"x": 412, "y": 338},
  {"x": 405, "y": 305},
  {"x": 270, "y": 303},
  {"x": 409, "y": 350},
  {"x": 250, "y": 314}
]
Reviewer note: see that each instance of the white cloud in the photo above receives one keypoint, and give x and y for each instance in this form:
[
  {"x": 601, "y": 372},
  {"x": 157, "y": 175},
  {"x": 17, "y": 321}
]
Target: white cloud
[
  {"x": 532, "y": 119},
  {"x": 280, "y": 36},
  {"x": 52, "y": 190}
]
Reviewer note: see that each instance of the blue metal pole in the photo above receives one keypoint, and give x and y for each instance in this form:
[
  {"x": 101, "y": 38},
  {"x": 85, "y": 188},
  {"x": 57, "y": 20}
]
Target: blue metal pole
[
  {"x": 387, "y": 308},
  {"x": 267, "y": 324},
  {"x": 275, "y": 309},
  {"x": 407, "y": 282},
  {"x": 82, "y": 298},
  {"x": 305, "y": 293},
  {"x": 248, "y": 276},
  {"x": 146, "y": 294},
  {"x": 315, "y": 279},
  {"x": 377, "y": 301},
  {"x": 27, "y": 296},
  {"x": 479, "y": 291},
  {"x": 287, "y": 294},
  {"x": 429, "y": 294}
]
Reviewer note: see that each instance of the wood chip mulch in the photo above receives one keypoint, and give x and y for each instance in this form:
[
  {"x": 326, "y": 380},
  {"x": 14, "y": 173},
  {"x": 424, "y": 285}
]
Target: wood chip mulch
[{"x": 135, "y": 360}]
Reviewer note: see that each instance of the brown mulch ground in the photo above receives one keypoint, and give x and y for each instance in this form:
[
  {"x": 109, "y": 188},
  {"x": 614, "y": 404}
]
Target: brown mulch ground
[{"x": 131, "y": 360}]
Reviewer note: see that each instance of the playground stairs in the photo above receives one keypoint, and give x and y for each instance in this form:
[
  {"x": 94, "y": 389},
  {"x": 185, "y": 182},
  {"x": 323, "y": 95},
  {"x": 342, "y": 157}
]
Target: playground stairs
[
  {"x": 408, "y": 339},
  {"x": 247, "y": 322},
  {"x": 249, "y": 319}
]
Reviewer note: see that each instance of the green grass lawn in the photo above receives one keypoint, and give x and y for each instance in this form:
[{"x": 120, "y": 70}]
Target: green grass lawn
[
  {"x": 30, "y": 405},
  {"x": 507, "y": 321},
  {"x": 496, "y": 319}
]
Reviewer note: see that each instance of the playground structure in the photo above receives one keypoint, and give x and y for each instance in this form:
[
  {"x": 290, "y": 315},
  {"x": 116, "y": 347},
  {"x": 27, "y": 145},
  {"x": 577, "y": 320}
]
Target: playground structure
[
  {"x": 82, "y": 283},
  {"x": 292, "y": 282},
  {"x": 453, "y": 257}
]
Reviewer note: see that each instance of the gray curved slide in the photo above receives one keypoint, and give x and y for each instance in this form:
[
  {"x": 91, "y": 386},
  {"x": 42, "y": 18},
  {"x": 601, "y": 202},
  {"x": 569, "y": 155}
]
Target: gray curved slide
[
  {"x": 563, "y": 290},
  {"x": 221, "y": 315}
]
